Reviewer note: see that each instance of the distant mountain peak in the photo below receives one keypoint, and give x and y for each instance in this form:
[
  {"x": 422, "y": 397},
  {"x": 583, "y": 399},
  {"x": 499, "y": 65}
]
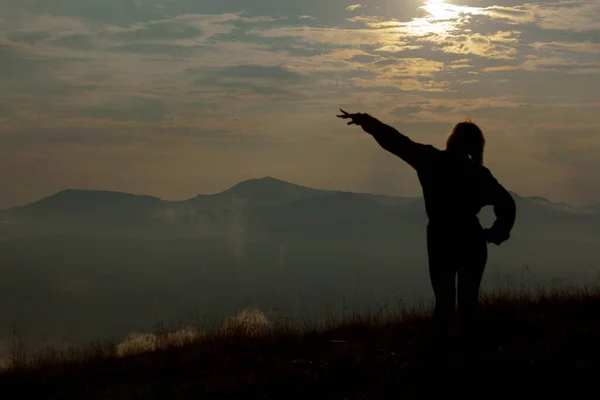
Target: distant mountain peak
[
  {"x": 266, "y": 190},
  {"x": 271, "y": 179},
  {"x": 71, "y": 192},
  {"x": 97, "y": 192},
  {"x": 68, "y": 198},
  {"x": 264, "y": 183}
]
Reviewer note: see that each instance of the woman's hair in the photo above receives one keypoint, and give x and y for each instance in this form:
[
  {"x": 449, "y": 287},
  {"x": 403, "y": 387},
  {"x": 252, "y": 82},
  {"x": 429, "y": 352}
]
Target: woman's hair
[{"x": 467, "y": 138}]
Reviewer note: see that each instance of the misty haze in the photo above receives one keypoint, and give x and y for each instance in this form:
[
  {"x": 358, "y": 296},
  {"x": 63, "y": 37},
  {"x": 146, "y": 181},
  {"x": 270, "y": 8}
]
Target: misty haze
[{"x": 85, "y": 265}]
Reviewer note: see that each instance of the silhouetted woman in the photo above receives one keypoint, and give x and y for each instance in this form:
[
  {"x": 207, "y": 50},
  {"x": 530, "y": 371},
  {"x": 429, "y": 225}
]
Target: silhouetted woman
[{"x": 456, "y": 186}]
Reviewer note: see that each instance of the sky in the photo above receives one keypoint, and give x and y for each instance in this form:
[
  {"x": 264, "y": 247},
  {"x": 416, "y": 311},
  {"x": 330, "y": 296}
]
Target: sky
[{"x": 173, "y": 98}]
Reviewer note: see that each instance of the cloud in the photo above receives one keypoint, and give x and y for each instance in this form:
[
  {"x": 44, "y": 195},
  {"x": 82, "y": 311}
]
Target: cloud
[
  {"x": 354, "y": 7},
  {"x": 407, "y": 67},
  {"x": 406, "y": 111},
  {"x": 21, "y": 67},
  {"x": 397, "y": 48},
  {"x": 271, "y": 81},
  {"x": 78, "y": 41},
  {"x": 155, "y": 49},
  {"x": 333, "y": 36},
  {"x": 259, "y": 72},
  {"x": 567, "y": 15},
  {"x": 130, "y": 108},
  {"x": 487, "y": 46},
  {"x": 29, "y": 37},
  {"x": 585, "y": 48},
  {"x": 514, "y": 15},
  {"x": 120, "y": 12},
  {"x": 170, "y": 30},
  {"x": 555, "y": 64},
  {"x": 408, "y": 85}
]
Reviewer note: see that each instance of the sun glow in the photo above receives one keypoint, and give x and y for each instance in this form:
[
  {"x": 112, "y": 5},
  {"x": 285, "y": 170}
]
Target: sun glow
[
  {"x": 441, "y": 18},
  {"x": 439, "y": 9}
]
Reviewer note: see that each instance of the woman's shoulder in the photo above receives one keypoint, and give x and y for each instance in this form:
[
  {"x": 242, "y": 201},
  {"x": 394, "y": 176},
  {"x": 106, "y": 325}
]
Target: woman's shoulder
[
  {"x": 484, "y": 170},
  {"x": 486, "y": 176}
]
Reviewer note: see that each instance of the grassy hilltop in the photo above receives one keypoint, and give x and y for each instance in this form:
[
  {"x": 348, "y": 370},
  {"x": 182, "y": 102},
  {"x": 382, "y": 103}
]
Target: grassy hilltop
[{"x": 532, "y": 344}]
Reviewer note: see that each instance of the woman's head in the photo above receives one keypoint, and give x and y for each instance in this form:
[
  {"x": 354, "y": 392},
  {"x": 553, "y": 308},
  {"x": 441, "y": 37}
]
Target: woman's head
[{"x": 466, "y": 138}]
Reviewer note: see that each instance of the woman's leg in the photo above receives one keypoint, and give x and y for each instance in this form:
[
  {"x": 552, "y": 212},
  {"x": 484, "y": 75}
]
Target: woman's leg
[
  {"x": 470, "y": 274},
  {"x": 442, "y": 271}
]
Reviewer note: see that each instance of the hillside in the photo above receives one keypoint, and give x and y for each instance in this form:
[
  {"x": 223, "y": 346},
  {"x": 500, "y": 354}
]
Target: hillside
[{"x": 543, "y": 345}]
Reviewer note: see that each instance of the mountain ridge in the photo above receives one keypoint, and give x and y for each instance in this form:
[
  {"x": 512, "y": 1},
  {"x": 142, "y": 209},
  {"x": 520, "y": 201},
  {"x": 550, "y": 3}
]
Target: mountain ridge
[
  {"x": 267, "y": 182},
  {"x": 259, "y": 207}
]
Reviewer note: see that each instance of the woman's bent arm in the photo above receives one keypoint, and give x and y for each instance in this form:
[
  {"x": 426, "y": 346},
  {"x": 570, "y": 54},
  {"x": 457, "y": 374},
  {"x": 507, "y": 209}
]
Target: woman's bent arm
[{"x": 505, "y": 210}]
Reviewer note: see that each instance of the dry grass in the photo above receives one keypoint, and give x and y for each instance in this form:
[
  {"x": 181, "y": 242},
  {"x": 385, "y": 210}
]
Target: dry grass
[{"x": 531, "y": 342}]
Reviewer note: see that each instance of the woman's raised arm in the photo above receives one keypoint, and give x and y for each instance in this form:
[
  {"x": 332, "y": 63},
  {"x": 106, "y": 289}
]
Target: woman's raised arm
[{"x": 389, "y": 138}]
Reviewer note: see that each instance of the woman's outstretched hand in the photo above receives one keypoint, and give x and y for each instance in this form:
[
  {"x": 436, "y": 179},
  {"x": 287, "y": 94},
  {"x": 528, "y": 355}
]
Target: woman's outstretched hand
[{"x": 359, "y": 119}]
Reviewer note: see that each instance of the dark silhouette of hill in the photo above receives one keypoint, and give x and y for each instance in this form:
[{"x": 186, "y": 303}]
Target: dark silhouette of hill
[
  {"x": 83, "y": 211},
  {"x": 266, "y": 191},
  {"x": 88, "y": 206},
  {"x": 82, "y": 200}
]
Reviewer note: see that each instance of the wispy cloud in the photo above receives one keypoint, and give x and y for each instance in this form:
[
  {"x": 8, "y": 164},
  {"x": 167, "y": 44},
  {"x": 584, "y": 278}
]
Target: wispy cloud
[
  {"x": 585, "y": 47},
  {"x": 564, "y": 15},
  {"x": 557, "y": 64}
]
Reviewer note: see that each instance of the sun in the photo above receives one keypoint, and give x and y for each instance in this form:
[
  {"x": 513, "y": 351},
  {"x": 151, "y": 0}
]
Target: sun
[
  {"x": 441, "y": 18},
  {"x": 435, "y": 2},
  {"x": 440, "y": 10}
]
